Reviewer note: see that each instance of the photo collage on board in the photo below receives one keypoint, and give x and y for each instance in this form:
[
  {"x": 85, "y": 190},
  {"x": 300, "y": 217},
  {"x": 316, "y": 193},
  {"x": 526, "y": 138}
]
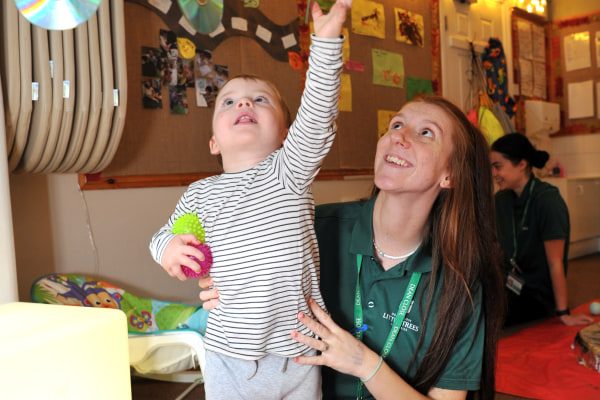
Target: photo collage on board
[{"x": 169, "y": 67}]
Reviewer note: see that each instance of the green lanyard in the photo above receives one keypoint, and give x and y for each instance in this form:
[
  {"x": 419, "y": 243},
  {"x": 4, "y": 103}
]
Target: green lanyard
[
  {"x": 513, "y": 259},
  {"x": 398, "y": 320}
]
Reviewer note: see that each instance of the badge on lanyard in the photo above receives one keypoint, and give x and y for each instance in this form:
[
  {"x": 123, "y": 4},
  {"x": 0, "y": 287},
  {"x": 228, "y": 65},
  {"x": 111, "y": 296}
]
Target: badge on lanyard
[{"x": 514, "y": 282}]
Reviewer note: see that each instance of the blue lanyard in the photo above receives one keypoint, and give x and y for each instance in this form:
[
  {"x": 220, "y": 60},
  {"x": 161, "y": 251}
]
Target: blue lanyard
[{"x": 398, "y": 320}]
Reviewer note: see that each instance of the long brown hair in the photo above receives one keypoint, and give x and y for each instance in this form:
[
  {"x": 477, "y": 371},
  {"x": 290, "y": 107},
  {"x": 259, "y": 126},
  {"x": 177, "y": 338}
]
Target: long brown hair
[{"x": 461, "y": 234}]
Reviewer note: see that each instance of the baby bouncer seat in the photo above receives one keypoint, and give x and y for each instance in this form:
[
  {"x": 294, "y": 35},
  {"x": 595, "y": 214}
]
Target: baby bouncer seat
[{"x": 165, "y": 338}]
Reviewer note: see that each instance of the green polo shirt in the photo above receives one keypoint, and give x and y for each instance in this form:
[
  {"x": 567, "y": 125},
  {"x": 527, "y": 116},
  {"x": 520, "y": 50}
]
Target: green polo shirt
[
  {"x": 547, "y": 218},
  {"x": 345, "y": 230}
]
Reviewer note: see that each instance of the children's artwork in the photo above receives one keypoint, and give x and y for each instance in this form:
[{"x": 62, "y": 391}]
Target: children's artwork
[
  {"x": 186, "y": 47},
  {"x": 151, "y": 62},
  {"x": 345, "y": 103},
  {"x": 325, "y": 4},
  {"x": 346, "y": 45},
  {"x": 383, "y": 121},
  {"x": 418, "y": 88},
  {"x": 409, "y": 27},
  {"x": 368, "y": 18},
  {"x": 151, "y": 93},
  {"x": 209, "y": 78},
  {"x": 388, "y": 68},
  {"x": 354, "y": 66},
  {"x": 296, "y": 61},
  {"x": 178, "y": 101}
]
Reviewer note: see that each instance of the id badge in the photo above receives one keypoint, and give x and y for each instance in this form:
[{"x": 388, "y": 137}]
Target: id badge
[{"x": 514, "y": 283}]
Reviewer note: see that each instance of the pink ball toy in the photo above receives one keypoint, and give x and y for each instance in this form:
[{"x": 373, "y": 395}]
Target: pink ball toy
[{"x": 204, "y": 265}]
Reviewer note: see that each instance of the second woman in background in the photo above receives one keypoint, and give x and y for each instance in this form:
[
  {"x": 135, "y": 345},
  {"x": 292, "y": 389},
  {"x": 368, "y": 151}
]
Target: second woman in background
[{"x": 533, "y": 229}]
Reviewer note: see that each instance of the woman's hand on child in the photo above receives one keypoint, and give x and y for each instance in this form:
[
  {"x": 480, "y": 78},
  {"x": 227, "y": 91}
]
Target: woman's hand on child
[
  {"x": 177, "y": 254},
  {"x": 330, "y": 25},
  {"x": 209, "y": 295},
  {"x": 340, "y": 350}
]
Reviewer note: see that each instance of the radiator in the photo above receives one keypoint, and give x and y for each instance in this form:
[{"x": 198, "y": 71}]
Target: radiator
[{"x": 64, "y": 91}]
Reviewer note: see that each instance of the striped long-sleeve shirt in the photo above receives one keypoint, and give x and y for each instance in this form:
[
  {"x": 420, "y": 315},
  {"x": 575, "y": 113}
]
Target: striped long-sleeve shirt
[{"x": 259, "y": 226}]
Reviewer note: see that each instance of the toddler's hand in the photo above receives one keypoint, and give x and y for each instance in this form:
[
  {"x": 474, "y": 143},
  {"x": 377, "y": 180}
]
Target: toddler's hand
[
  {"x": 330, "y": 25},
  {"x": 177, "y": 254}
]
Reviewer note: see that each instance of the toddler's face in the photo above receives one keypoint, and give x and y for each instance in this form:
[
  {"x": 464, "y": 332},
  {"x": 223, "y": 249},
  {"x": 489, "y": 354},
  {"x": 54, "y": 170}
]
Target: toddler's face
[{"x": 248, "y": 122}]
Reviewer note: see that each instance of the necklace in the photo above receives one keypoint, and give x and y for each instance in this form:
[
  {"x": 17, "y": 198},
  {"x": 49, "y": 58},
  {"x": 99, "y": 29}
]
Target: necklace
[{"x": 382, "y": 254}]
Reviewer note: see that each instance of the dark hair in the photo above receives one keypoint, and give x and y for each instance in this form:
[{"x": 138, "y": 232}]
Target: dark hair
[
  {"x": 461, "y": 235},
  {"x": 516, "y": 147}
]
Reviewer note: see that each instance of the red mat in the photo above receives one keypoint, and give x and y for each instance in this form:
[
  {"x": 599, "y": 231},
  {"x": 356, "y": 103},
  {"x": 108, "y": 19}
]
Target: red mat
[{"x": 538, "y": 363}]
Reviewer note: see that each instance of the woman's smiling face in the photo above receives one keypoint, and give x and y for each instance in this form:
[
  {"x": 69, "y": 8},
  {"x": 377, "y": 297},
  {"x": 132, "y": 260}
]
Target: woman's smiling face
[
  {"x": 413, "y": 155},
  {"x": 507, "y": 174}
]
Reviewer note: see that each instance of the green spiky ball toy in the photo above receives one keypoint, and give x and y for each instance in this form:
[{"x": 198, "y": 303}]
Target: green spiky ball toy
[{"x": 189, "y": 223}]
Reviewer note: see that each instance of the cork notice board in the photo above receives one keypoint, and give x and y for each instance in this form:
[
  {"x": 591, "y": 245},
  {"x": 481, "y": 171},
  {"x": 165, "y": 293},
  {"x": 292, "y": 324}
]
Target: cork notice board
[
  {"x": 159, "y": 148},
  {"x": 575, "y": 72}
]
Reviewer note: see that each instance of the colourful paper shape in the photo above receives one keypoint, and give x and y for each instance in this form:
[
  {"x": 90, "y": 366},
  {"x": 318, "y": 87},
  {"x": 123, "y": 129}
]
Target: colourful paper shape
[
  {"x": 295, "y": 60},
  {"x": 388, "y": 68},
  {"x": 383, "y": 121},
  {"x": 368, "y": 18},
  {"x": 345, "y": 103},
  {"x": 346, "y": 45},
  {"x": 355, "y": 66},
  {"x": 409, "y": 27},
  {"x": 417, "y": 87}
]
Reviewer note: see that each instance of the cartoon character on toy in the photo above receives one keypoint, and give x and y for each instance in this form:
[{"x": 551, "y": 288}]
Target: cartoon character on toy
[{"x": 88, "y": 294}]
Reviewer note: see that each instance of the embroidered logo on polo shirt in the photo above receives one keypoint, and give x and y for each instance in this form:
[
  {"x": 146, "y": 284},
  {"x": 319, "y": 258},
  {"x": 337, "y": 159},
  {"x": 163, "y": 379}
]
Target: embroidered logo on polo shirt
[{"x": 407, "y": 324}]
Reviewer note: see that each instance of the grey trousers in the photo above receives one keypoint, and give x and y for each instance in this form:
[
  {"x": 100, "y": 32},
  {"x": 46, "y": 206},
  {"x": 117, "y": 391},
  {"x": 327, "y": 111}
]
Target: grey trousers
[{"x": 269, "y": 378}]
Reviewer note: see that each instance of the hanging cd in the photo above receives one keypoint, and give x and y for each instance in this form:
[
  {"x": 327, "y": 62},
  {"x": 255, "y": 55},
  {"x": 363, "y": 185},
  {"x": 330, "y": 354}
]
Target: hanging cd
[
  {"x": 57, "y": 14},
  {"x": 203, "y": 15}
]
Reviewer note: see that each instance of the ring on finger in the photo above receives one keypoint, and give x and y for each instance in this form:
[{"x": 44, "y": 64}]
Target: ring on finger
[{"x": 325, "y": 345}]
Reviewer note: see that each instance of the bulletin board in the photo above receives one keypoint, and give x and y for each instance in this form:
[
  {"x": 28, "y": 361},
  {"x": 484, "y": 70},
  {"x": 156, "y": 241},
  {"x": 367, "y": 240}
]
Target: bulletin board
[
  {"x": 162, "y": 148},
  {"x": 530, "y": 60},
  {"x": 574, "y": 52}
]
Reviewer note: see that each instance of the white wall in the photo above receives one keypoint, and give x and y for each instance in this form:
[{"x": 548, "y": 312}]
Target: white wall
[
  {"x": 105, "y": 233},
  {"x": 578, "y": 154},
  {"x": 559, "y": 9}
]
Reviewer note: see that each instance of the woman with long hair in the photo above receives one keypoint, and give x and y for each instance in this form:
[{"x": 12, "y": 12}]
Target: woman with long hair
[{"x": 411, "y": 276}]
